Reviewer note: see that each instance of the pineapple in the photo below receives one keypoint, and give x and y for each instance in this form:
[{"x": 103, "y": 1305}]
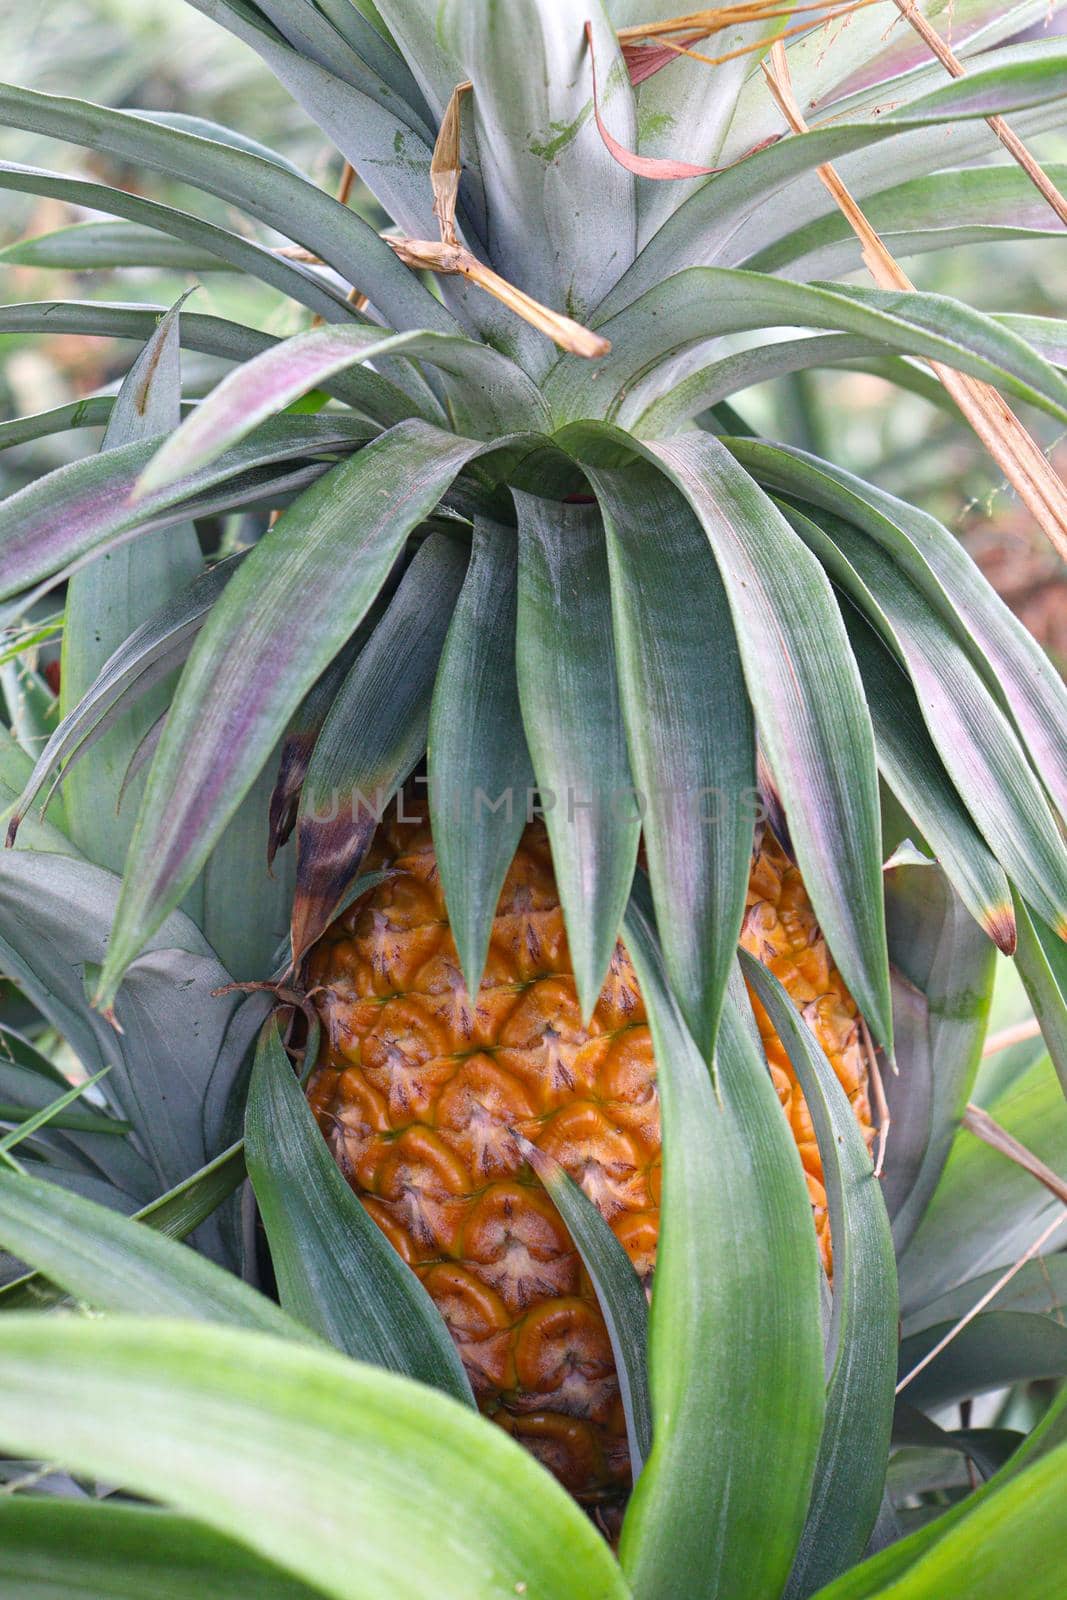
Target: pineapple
[
  {"x": 493, "y": 508},
  {"x": 418, "y": 1092}
]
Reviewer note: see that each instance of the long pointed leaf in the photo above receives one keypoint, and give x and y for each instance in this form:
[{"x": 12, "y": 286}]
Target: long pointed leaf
[
  {"x": 175, "y": 1214},
  {"x": 701, "y": 304},
  {"x": 978, "y": 1554},
  {"x": 151, "y": 652},
  {"x": 115, "y": 1264},
  {"x": 266, "y": 191},
  {"x": 1015, "y": 667},
  {"x": 1042, "y": 963},
  {"x": 54, "y": 1549},
  {"x": 162, "y": 236},
  {"x": 76, "y": 509},
  {"x": 850, "y": 1472},
  {"x": 502, "y": 397},
  {"x": 369, "y": 392},
  {"x": 975, "y": 741},
  {"x": 718, "y": 215},
  {"x": 735, "y": 1347},
  {"x": 373, "y": 736},
  {"x": 113, "y": 596},
  {"x": 689, "y": 730},
  {"x": 939, "y": 211},
  {"x": 808, "y": 700},
  {"x": 942, "y": 953},
  {"x": 569, "y": 694},
  {"x": 913, "y": 770},
  {"x": 312, "y": 1461},
  {"x": 257, "y": 656},
  {"x": 481, "y": 778},
  {"x": 336, "y": 1270},
  {"x": 986, "y": 1211},
  {"x": 618, "y": 1289}
]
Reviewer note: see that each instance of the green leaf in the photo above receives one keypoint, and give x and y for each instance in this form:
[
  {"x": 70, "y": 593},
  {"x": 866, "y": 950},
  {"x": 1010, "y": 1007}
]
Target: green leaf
[
  {"x": 975, "y": 741},
  {"x": 154, "y": 650},
  {"x": 995, "y": 1350},
  {"x": 808, "y": 701},
  {"x": 776, "y": 189},
  {"x": 480, "y": 775},
  {"x": 499, "y": 396},
  {"x": 701, "y": 304},
  {"x": 986, "y": 1211},
  {"x": 175, "y": 1215},
  {"x": 325, "y": 558},
  {"x": 912, "y": 768},
  {"x": 310, "y": 1460},
  {"x": 96, "y": 246},
  {"x": 386, "y": 141},
  {"x": 618, "y": 1290},
  {"x": 246, "y": 903},
  {"x": 943, "y": 955},
  {"x": 867, "y": 65},
  {"x": 735, "y": 1344},
  {"x": 275, "y": 196},
  {"x": 1039, "y": 1285},
  {"x": 973, "y": 1548},
  {"x": 55, "y": 917},
  {"x": 561, "y": 210},
  {"x": 85, "y": 1550},
  {"x": 155, "y": 235},
  {"x": 336, "y": 1270},
  {"x": 717, "y": 218},
  {"x": 113, "y": 596},
  {"x": 373, "y": 735},
  {"x": 938, "y": 211},
  {"x": 689, "y": 730},
  {"x": 1016, "y": 670},
  {"x": 115, "y": 1264},
  {"x": 850, "y": 1472},
  {"x": 1041, "y": 959},
  {"x": 387, "y": 401},
  {"x": 569, "y": 694}
]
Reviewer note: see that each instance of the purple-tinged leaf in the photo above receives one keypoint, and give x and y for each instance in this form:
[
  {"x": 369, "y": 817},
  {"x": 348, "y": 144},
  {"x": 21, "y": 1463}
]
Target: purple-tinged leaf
[
  {"x": 373, "y": 736},
  {"x": 73, "y": 511},
  {"x": 298, "y": 596},
  {"x": 912, "y": 768},
  {"x": 975, "y": 741},
  {"x": 499, "y": 397},
  {"x": 1014, "y": 666}
]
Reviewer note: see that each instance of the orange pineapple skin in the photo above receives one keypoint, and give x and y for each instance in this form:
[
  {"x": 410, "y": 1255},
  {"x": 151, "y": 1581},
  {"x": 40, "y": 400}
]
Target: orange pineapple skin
[{"x": 417, "y": 1091}]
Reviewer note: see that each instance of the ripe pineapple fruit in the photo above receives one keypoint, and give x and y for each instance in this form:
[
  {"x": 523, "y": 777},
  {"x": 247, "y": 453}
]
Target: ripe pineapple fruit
[{"x": 418, "y": 1092}]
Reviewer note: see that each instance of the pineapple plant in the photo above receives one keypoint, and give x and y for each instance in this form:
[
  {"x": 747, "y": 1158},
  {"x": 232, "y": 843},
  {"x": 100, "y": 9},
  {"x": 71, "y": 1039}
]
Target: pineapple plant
[{"x": 718, "y": 778}]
